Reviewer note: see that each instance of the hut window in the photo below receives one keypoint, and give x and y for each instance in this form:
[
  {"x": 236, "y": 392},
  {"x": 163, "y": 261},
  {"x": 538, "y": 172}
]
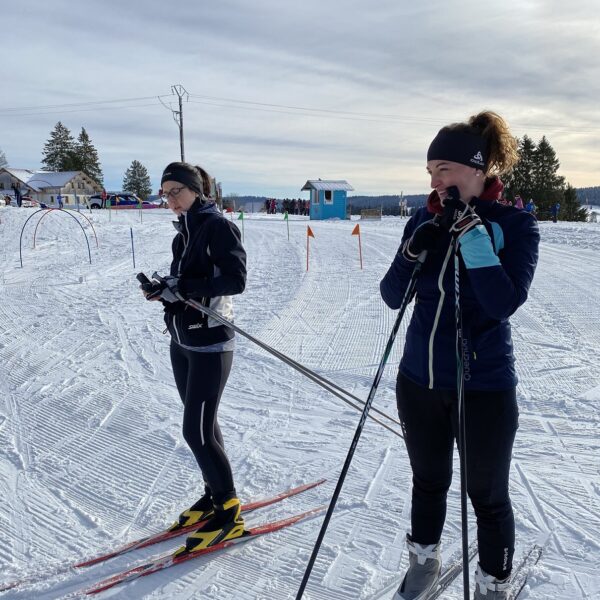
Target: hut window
[
  {"x": 315, "y": 196},
  {"x": 328, "y": 197}
]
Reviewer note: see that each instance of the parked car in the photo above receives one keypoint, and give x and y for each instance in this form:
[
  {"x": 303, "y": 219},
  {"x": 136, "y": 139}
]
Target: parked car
[{"x": 124, "y": 200}]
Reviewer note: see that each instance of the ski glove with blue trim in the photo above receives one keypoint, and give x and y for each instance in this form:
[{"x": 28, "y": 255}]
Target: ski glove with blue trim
[{"x": 465, "y": 226}]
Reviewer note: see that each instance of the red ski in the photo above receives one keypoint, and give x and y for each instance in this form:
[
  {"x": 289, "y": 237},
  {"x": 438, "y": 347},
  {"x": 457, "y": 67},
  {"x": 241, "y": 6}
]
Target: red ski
[
  {"x": 165, "y": 561},
  {"x": 153, "y": 539},
  {"x": 167, "y": 535}
]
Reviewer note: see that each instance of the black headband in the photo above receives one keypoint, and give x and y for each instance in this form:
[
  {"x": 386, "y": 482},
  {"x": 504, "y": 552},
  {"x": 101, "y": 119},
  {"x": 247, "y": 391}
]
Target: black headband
[
  {"x": 182, "y": 174},
  {"x": 460, "y": 147}
]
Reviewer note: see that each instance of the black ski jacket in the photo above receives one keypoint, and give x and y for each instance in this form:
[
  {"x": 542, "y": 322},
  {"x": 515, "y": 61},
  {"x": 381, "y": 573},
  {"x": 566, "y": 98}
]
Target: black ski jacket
[{"x": 210, "y": 262}]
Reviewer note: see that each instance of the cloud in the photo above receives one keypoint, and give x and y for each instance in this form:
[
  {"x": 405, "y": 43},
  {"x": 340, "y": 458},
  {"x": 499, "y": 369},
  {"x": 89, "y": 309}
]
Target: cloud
[{"x": 407, "y": 69}]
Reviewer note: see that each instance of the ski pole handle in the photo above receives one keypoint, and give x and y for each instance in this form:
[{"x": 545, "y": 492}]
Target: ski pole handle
[{"x": 141, "y": 277}]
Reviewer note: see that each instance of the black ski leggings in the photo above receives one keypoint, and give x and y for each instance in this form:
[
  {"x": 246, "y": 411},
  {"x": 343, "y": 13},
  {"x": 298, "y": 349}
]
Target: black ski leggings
[
  {"x": 200, "y": 378},
  {"x": 430, "y": 424}
]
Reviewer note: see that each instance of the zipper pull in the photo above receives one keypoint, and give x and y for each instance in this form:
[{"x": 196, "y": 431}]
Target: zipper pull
[{"x": 165, "y": 330}]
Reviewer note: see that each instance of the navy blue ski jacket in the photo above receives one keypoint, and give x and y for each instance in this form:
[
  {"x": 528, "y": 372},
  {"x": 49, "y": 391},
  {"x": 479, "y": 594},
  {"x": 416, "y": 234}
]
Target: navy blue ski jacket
[{"x": 497, "y": 264}]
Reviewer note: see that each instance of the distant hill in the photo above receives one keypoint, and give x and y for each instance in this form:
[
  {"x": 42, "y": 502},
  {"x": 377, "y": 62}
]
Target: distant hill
[
  {"x": 390, "y": 204},
  {"x": 589, "y": 195}
]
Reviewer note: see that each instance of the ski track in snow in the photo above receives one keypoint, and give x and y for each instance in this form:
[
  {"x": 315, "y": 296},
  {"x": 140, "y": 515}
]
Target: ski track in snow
[{"x": 90, "y": 419}]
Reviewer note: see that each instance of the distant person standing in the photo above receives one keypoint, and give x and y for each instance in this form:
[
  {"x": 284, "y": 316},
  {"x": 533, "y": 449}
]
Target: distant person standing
[
  {"x": 17, "y": 189},
  {"x": 403, "y": 208},
  {"x": 518, "y": 202},
  {"x": 59, "y": 201},
  {"x": 554, "y": 212},
  {"x": 530, "y": 207}
]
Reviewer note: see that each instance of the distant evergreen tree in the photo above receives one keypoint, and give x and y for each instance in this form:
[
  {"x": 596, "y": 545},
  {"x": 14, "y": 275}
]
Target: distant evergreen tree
[
  {"x": 59, "y": 151},
  {"x": 3, "y": 161},
  {"x": 570, "y": 207},
  {"x": 536, "y": 177},
  {"x": 548, "y": 185},
  {"x": 520, "y": 180},
  {"x": 86, "y": 157},
  {"x": 137, "y": 180}
]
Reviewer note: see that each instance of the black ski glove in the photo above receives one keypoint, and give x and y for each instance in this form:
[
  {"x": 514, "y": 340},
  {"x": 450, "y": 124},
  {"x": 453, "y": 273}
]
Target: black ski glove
[
  {"x": 166, "y": 289},
  {"x": 458, "y": 217},
  {"x": 426, "y": 237}
]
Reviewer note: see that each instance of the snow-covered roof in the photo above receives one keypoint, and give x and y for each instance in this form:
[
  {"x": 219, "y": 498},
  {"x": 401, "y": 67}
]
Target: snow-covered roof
[
  {"x": 327, "y": 184},
  {"x": 39, "y": 180},
  {"x": 46, "y": 179},
  {"x": 21, "y": 174}
]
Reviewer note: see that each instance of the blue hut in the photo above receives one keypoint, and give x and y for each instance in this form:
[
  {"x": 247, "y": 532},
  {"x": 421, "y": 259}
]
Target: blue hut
[{"x": 327, "y": 198}]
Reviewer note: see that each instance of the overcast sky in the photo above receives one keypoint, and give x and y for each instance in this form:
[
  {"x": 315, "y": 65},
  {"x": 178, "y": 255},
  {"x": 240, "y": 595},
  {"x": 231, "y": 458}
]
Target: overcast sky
[{"x": 281, "y": 92}]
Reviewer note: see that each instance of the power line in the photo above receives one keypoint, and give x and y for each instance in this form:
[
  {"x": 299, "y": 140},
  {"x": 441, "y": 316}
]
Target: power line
[
  {"x": 235, "y": 103},
  {"x": 317, "y": 110},
  {"x": 365, "y": 116},
  {"x": 289, "y": 112},
  {"x": 75, "y": 104},
  {"x": 60, "y": 112}
]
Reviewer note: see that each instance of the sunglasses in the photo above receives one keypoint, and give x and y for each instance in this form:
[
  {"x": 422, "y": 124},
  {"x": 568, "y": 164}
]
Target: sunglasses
[{"x": 172, "y": 193}]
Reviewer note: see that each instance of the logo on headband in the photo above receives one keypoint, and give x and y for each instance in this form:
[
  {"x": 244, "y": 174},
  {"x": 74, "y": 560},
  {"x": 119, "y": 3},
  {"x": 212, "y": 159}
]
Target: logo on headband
[{"x": 478, "y": 159}]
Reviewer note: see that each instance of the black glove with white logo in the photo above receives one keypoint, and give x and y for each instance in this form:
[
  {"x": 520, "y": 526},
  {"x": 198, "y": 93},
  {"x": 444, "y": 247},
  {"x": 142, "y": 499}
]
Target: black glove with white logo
[{"x": 458, "y": 217}]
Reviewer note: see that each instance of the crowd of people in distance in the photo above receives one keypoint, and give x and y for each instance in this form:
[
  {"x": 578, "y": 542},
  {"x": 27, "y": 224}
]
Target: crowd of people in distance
[{"x": 292, "y": 206}]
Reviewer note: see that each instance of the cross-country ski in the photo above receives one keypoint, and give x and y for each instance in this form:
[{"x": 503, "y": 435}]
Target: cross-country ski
[
  {"x": 171, "y": 559},
  {"x": 150, "y": 540}
]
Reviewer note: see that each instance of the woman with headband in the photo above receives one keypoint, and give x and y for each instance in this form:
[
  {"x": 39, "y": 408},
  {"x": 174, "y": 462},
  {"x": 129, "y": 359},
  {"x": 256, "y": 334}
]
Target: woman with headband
[
  {"x": 209, "y": 266},
  {"x": 497, "y": 246}
]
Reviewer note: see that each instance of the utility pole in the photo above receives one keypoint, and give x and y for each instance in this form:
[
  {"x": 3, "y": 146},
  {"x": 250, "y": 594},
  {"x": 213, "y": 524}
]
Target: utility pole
[{"x": 180, "y": 92}]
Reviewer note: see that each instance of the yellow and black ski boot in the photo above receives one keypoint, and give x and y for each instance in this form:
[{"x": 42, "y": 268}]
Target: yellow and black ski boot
[
  {"x": 226, "y": 524},
  {"x": 199, "y": 511}
]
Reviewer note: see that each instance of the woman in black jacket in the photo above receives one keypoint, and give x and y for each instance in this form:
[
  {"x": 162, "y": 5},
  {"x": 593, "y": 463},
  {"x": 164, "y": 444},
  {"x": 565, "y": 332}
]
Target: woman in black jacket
[{"x": 209, "y": 266}]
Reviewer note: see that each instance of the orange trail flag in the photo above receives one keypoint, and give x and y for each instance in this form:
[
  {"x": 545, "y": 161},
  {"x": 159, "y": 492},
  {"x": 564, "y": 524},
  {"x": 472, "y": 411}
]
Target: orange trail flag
[
  {"x": 309, "y": 234},
  {"x": 356, "y": 231}
]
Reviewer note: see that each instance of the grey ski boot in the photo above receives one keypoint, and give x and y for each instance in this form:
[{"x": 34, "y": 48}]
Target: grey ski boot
[
  {"x": 487, "y": 587},
  {"x": 423, "y": 573}
]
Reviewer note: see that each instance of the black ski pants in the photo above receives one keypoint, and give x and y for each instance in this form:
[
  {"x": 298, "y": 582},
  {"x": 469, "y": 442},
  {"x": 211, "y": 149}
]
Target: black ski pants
[
  {"x": 430, "y": 424},
  {"x": 200, "y": 378}
]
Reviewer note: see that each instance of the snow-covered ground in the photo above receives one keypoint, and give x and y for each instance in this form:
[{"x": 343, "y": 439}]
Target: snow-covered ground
[{"x": 91, "y": 450}]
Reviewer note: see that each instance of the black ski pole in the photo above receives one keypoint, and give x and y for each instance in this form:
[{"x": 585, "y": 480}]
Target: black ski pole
[
  {"x": 318, "y": 379},
  {"x": 462, "y": 442},
  {"x": 338, "y": 488}
]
